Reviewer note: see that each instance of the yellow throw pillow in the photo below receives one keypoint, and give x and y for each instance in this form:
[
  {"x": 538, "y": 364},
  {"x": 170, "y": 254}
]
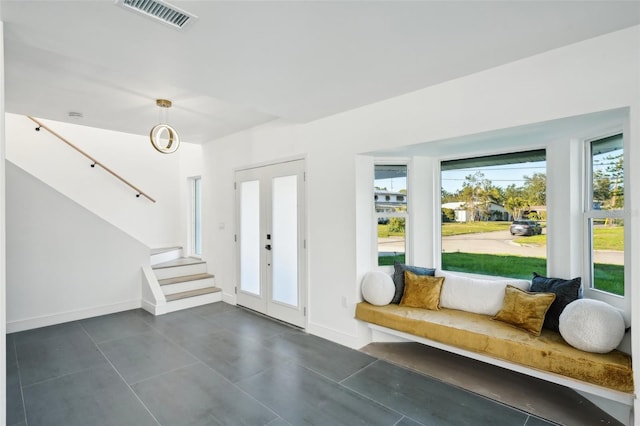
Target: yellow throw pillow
[
  {"x": 525, "y": 310},
  {"x": 421, "y": 291}
]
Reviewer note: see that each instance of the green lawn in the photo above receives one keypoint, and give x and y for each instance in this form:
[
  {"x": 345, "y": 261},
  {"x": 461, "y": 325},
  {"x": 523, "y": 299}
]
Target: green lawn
[
  {"x": 608, "y": 238},
  {"x": 604, "y": 238},
  {"x": 383, "y": 232},
  {"x": 492, "y": 264},
  {"x": 538, "y": 240},
  {"x": 607, "y": 277},
  {"x": 455, "y": 228},
  {"x": 389, "y": 260}
]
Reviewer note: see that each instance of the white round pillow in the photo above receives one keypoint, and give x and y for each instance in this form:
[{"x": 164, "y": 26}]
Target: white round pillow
[
  {"x": 378, "y": 288},
  {"x": 592, "y": 326}
]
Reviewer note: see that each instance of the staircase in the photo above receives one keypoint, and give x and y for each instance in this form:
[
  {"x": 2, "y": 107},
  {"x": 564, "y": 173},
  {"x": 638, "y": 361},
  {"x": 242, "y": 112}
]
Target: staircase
[{"x": 173, "y": 282}]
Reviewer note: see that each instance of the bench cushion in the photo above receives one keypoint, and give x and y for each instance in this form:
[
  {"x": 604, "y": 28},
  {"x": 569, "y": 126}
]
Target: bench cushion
[{"x": 479, "y": 333}]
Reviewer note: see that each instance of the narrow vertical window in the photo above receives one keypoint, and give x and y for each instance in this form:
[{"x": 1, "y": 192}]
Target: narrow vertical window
[
  {"x": 196, "y": 217},
  {"x": 390, "y": 200},
  {"x": 604, "y": 214}
]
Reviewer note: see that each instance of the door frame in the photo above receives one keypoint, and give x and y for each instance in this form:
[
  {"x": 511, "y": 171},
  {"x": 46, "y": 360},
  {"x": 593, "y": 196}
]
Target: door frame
[{"x": 303, "y": 251}]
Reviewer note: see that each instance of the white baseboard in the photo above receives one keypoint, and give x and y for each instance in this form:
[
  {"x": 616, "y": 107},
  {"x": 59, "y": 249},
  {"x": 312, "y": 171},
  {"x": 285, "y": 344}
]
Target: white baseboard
[
  {"x": 148, "y": 306},
  {"x": 229, "y": 298},
  {"x": 335, "y": 336},
  {"x": 59, "y": 318},
  {"x": 621, "y": 412}
]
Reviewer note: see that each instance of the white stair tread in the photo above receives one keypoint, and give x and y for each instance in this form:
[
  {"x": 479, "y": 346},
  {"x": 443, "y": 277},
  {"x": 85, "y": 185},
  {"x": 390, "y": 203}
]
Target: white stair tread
[
  {"x": 192, "y": 293},
  {"x": 184, "y": 278},
  {"x": 183, "y": 261},
  {"x": 160, "y": 250}
]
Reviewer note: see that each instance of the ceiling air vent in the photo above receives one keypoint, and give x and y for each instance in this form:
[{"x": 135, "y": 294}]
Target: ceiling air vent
[{"x": 161, "y": 11}]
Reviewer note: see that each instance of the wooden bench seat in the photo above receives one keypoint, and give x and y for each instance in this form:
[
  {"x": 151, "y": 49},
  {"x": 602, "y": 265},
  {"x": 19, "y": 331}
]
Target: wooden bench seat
[{"x": 547, "y": 357}]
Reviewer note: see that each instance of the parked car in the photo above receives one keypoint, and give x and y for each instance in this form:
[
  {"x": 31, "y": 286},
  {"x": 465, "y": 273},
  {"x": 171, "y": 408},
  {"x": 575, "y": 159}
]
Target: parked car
[
  {"x": 383, "y": 220},
  {"x": 525, "y": 227}
]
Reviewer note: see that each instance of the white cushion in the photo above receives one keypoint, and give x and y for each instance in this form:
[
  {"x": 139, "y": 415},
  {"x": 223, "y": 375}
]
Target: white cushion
[
  {"x": 480, "y": 296},
  {"x": 378, "y": 288},
  {"x": 592, "y": 326}
]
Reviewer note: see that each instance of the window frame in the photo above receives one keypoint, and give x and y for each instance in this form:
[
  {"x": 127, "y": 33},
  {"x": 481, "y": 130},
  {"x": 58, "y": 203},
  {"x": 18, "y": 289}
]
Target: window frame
[
  {"x": 438, "y": 197},
  {"x": 195, "y": 210},
  {"x": 589, "y": 213},
  {"x": 406, "y": 214}
]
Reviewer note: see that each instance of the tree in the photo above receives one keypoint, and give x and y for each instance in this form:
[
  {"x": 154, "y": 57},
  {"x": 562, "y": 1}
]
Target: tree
[
  {"x": 478, "y": 193},
  {"x": 515, "y": 206},
  {"x": 513, "y": 200},
  {"x": 535, "y": 189},
  {"x": 615, "y": 172},
  {"x": 601, "y": 187},
  {"x": 448, "y": 197}
]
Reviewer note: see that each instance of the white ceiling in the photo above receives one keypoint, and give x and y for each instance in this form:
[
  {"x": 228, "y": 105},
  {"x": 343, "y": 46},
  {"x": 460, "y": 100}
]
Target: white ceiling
[{"x": 245, "y": 63}]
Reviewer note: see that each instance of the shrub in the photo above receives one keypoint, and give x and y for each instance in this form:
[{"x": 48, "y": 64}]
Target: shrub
[
  {"x": 448, "y": 215},
  {"x": 396, "y": 224}
]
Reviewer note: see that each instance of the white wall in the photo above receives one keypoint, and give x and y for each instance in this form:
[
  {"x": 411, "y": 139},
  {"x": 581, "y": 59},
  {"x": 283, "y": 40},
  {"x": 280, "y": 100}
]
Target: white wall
[
  {"x": 595, "y": 75},
  {"x": 3, "y": 352},
  {"x": 158, "y": 224},
  {"x": 63, "y": 262}
]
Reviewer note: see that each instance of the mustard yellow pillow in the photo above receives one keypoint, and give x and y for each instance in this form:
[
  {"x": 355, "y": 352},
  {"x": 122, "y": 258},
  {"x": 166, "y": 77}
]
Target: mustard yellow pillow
[
  {"x": 421, "y": 291},
  {"x": 525, "y": 310}
]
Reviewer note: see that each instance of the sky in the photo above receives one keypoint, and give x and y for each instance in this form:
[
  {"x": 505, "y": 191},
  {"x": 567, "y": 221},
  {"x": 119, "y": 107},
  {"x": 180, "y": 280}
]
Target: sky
[
  {"x": 452, "y": 180},
  {"x": 500, "y": 176}
]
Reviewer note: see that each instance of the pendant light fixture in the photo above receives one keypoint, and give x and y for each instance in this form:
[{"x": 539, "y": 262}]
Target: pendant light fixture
[{"x": 164, "y": 138}]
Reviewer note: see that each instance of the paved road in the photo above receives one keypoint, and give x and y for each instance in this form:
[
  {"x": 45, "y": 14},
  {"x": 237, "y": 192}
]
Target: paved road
[{"x": 498, "y": 242}]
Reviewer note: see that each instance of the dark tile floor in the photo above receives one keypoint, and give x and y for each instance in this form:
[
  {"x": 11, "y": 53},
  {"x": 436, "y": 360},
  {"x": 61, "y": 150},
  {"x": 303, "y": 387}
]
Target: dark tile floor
[{"x": 221, "y": 365}]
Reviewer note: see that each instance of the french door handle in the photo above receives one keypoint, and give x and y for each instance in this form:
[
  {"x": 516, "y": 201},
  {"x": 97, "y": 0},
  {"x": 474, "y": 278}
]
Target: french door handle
[{"x": 268, "y": 246}]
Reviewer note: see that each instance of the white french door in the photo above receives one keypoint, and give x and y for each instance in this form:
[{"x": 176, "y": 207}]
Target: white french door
[{"x": 270, "y": 240}]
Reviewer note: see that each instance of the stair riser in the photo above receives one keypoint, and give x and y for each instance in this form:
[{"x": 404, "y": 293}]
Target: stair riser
[
  {"x": 180, "y": 271},
  {"x": 166, "y": 256},
  {"x": 189, "y": 302},
  {"x": 187, "y": 286}
]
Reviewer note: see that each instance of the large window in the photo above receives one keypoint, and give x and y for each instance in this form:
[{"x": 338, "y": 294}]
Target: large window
[
  {"x": 390, "y": 200},
  {"x": 196, "y": 216},
  {"x": 494, "y": 211},
  {"x": 604, "y": 214}
]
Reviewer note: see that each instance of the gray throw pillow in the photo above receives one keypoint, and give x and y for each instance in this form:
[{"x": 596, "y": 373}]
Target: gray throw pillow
[{"x": 398, "y": 277}]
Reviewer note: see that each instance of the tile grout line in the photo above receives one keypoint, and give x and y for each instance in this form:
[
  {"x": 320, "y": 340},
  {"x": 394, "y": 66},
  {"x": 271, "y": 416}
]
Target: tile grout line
[
  {"x": 457, "y": 386},
  {"x": 120, "y": 375},
  {"x": 355, "y": 392},
  {"x": 102, "y": 342},
  {"x": 199, "y": 361},
  {"x": 173, "y": 370},
  {"x": 176, "y": 343},
  {"x": 275, "y": 420},
  {"x": 24, "y": 405},
  {"x": 246, "y": 393},
  {"x": 313, "y": 370},
  {"x": 411, "y": 370},
  {"x": 82, "y": 370},
  {"x": 356, "y": 372},
  {"x": 409, "y": 418}
]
